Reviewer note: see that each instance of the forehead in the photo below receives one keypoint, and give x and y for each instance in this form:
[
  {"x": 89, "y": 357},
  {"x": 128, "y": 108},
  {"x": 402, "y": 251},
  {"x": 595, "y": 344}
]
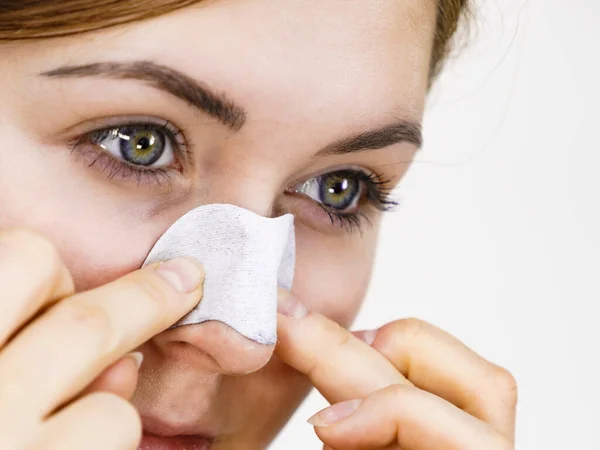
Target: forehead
[{"x": 340, "y": 60}]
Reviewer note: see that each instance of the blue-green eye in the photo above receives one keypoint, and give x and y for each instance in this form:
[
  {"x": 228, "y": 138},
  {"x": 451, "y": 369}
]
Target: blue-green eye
[
  {"x": 341, "y": 191},
  {"x": 143, "y": 145}
]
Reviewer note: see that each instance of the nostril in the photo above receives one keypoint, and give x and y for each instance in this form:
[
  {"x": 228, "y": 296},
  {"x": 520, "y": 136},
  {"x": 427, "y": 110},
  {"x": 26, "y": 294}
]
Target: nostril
[{"x": 220, "y": 348}]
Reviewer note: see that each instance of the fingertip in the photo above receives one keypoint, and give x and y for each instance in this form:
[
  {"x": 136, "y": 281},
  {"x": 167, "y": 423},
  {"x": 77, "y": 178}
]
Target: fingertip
[
  {"x": 289, "y": 306},
  {"x": 138, "y": 359},
  {"x": 335, "y": 413},
  {"x": 185, "y": 275},
  {"x": 120, "y": 378}
]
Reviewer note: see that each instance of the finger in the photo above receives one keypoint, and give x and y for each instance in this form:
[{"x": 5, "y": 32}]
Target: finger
[
  {"x": 98, "y": 421},
  {"x": 437, "y": 362},
  {"x": 32, "y": 275},
  {"x": 337, "y": 363},
  {"x": 119, "y": 379},
  {"x": 65, "y": 349},
  {"x": 407, "y": 417}
]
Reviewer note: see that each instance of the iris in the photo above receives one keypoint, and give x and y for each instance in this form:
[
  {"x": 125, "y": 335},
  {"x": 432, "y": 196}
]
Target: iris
[
  {"x": 141, "y": 146},
  {"x": 338, "y": 190}
]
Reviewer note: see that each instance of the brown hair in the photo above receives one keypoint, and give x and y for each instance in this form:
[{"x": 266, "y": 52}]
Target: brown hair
[{"x": 34, "y": 19}]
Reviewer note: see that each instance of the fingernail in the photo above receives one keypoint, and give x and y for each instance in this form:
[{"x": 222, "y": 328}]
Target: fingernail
[
  {"x": 334, "y": 413},
  {"x": 367, "y": 336},
  {"x": 138, "y": 358},
  {"x": 184, "y": 274},
  {"x": 290, "y": 307}
]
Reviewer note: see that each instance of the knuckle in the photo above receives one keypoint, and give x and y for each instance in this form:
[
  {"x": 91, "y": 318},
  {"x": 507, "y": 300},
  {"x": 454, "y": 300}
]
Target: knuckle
[
  {"x": 341, "y": 335},
  {"x": 400, "y": 400},
  {"x": 336, "y": 334},
  {"x": 84, "y": 318},
  {"x": 328, "y": 336},
  {"x": 398, "y": 392},
  {"x": 387, "y": 336},
  {"x": 154, "y": 291},
  {"x": 411, "y": 328}
]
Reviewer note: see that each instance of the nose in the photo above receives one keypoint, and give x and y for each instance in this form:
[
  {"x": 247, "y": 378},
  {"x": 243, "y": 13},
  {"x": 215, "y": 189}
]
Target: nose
[{"x": 214, "y": 347}]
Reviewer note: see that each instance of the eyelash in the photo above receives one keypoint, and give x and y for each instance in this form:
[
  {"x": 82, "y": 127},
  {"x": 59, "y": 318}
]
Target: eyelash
[
  {"x": 113, "y": 167},
  {"x": 378, "y": 193}
]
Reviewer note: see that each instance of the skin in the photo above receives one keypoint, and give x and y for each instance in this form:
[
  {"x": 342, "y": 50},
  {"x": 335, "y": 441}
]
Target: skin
[{"x": 308, "y": 74}]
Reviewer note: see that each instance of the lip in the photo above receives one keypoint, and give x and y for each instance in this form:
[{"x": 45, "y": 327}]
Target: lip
[
  {"x": 160, "y": 435},
  {"x": 152, "y": 442}
]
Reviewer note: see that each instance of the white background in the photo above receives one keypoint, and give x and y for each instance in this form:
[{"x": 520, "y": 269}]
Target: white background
[{"x": 498, "y": 236}]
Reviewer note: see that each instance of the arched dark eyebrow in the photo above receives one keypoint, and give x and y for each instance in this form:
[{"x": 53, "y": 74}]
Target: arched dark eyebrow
[
  {"x": 221, "y": 107},
  {"x": 402, "y": 131},
  {"x": 161, "y": 77}
]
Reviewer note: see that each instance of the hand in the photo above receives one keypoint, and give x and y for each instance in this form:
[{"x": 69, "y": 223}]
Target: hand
[
  {"x": 59, "y": 350},
  {"x": 408, "y": 386}
]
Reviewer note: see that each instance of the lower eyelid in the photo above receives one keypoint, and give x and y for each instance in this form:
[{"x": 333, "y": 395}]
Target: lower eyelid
[
  {"x": 317, "y": 217},
  {"x": 115, "y": 170},
  {"x": 308, "y": 212}
]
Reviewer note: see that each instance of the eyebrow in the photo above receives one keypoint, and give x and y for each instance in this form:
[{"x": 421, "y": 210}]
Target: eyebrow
[
  {"x": 176, "y": 83},
  {"x": 402, "y": 131},
  {"x": 221, "y": 107}
]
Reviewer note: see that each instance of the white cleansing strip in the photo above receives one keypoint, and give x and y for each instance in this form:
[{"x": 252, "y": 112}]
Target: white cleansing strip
[{"x": 245, "y": 256}]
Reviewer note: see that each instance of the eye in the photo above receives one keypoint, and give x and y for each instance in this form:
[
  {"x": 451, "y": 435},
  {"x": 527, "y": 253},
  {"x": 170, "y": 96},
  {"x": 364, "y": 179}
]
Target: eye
[
  {"x": 341, "y": 199},
  {"x": 143, "y": 145},
  {"x": 341, "y": 191}
]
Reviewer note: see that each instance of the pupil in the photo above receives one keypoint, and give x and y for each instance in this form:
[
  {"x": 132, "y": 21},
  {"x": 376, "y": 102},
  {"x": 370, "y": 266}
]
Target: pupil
[
  {"x": 339, "y": 187},
  {"x": 144, "y": 143}
]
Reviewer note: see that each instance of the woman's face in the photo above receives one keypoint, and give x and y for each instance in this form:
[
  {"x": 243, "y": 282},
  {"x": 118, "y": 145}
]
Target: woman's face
[{"x": 276, "y": 106}]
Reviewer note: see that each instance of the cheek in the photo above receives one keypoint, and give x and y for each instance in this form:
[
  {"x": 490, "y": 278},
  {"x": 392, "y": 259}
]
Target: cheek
[
  {"x": 333, "y": 272},
  {"x": 99, "y": 234}
]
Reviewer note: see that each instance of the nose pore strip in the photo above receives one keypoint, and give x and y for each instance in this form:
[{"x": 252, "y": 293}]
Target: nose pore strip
[{"x": 245, "y": 256}]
